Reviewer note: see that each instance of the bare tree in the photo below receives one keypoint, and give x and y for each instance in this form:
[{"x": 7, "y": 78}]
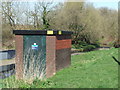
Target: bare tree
[
  {"x": 7, "y": 11},
  {"x": 45, "y": 8}
]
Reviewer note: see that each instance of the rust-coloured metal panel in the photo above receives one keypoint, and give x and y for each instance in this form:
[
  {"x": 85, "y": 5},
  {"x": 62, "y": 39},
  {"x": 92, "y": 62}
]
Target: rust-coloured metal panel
[
  {"x": 63, "y": 41},
  {"x": 19, "y": 56},
  {"x": 50, "y": 55},
  {"x": 62, "y": 44}
]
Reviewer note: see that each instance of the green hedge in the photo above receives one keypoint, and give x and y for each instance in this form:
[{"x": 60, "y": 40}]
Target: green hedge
[
  {"x": 89, "y": 48},
  {"x": 85, "y": 46}
]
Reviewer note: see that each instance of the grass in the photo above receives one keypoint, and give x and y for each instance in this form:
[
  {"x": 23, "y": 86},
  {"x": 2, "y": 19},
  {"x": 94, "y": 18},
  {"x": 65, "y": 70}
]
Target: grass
[{"x": 95, "y": 69}]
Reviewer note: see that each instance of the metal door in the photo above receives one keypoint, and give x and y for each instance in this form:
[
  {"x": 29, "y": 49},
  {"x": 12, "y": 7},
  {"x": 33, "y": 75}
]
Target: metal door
[{"x": 34, "y": 56}]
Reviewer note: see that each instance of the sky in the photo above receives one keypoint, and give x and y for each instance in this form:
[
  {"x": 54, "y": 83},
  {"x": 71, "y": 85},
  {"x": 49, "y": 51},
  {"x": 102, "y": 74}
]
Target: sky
[{"x": 112, "y": 4}]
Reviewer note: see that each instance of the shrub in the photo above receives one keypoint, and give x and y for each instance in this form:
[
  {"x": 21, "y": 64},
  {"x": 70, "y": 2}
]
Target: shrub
[
  {"x": 7, "y": 37},
  {"x": 73, "y": 46},
  {"x": 82, "y": 43},
  {"x": 79, "y": 45},
  {"x": 96, "y": 44},
  {"x": 111, "y": 44},
  {"x": 83, "y": 46},
  {"x": 89, "y": 48},
  {"x": 116, "y": 44}
]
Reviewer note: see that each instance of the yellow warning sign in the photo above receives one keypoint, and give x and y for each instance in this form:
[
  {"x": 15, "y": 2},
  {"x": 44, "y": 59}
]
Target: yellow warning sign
[
  {"x": 60, "y": 32},
  {"x": 49, "y": 32}
]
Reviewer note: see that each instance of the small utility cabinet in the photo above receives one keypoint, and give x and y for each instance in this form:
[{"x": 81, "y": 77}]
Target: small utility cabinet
[{"x": 40, "y": 53}]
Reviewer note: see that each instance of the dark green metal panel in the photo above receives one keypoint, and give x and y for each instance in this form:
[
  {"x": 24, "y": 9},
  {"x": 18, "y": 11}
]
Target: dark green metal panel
[{"x": 34, "y": 56}]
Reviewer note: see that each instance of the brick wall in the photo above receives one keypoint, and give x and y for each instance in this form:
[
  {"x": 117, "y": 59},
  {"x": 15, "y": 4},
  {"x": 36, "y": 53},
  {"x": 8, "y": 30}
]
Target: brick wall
[
  {"x": 19, "y": 56},
  {"x": 50, "y": 55},
  {"x": 63, "y": 58},
  {"x": 58, "y": 54},
  {"x": 63, "y": 51}
]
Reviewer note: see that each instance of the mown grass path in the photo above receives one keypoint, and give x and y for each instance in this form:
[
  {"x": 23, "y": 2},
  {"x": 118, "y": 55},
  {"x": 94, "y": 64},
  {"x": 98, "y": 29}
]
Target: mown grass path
[{"x": 95, "y": 69}]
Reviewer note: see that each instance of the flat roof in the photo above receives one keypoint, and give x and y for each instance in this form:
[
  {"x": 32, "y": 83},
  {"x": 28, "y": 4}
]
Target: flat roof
[{"x": 41, "y": 32}]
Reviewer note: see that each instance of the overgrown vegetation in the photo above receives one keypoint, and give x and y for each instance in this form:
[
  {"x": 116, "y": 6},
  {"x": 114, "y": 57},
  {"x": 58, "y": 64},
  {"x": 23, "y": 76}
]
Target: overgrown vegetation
[
  {"x": 95, "y": 69},
  {"x": 83, "y": 46},
  {"x": 89, "y": 24}
]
